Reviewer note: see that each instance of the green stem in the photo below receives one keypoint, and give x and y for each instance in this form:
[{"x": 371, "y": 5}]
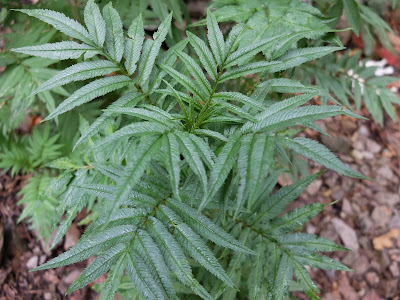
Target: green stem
[
  {"x": 143, "y": 93},
  {"x": 208, "y": 103},
  {"x": 244, "y": 224}
]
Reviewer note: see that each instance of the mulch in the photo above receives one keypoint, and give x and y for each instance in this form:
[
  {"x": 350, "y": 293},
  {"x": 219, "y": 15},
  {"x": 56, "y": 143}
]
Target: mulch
[
  {"x": 21, "y": 250},
  {"x": 366, "y": 217}
]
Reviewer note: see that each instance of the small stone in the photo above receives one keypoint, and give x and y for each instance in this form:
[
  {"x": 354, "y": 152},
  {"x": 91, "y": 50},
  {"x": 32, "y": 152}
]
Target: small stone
[
  {"x": 311, "y": 229},
  {"x": 45, "y": 245},
  {"x": 365, "y": 243},
  {"x": 373, "y": 146},
  {"x": 314, "y": 187},
  {"x": 51, "y": 277},
  {"x": 350, "y": 258},
  {"x": 349, "y": 125},
  {"x": 338, "y": 144},
  {"x": 331, "y": 274},
  {"x": 70, "y": 278},
  {"x": 331, "y": 296},
  {"x": 71, "y": 237},
  {"x": 360, "y": 265},
  {"x": 394, "y": 254},
  {"x": 329, "y": 233},
  {"x": 366, "y": 223},
  {"x": 394, "y": 268},
  {"x": 32, "y": 262},
  {"x": 346, "y": 207},
  {"x": 42, "y": 259},
  {"x": 367, "y": 155},
  {"x": 385, "y": 172},
  {"x": 385, "y": 259},
  {"x": 390, "y": 199},
  {"x": 358, "y": 144},
  {"x": 36, "y": 250},
  {"x": 380, "y": 215},
  {"x": 372, "y": 279},
  {"x": 62, "y": 287},
  {"x": 337, "y": 193},
  {"x": 357, "y": 154},
  {"x": 387, "y": 153},
  {"x": 375, "y": 265},
  {"x": 363, "y": 130},
  {"x": 394, "y": 222},
  {"x": 347, "y": 159},
  {"x": 331, "y": 179},
  {"x": 48, "y": 296},
  {"x": 346, "y": 290},
  {"x": 346, "y": 234},
  {"x": 371, "y": 295},
  {"x": 284, "y": 179},
  {"x": 77, "y": 295}
]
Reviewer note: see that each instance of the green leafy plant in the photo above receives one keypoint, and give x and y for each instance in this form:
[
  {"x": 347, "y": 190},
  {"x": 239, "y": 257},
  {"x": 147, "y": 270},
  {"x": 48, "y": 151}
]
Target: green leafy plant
[
  {"x": 349, "y": 77},
  {"x": 38, "y": 208},
  {"x": 180, "y": 168},
  {"x": 342, "y": 76},
  {"x": 23, "y": 74},
  {"x": 34, "y": 154}
]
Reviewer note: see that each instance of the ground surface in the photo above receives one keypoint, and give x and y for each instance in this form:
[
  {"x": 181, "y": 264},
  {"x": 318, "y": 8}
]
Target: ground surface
[
  {"x": 366, "y": 218},
  {"x": 20, "y": 251}
]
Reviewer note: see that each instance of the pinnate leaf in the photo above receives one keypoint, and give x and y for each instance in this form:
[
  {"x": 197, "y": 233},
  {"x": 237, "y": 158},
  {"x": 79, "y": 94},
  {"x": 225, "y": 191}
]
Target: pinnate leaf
[
  {"x": 135, "y": 129},
  {"x": 276, "y": 203},
  {"x": 205, "y": 227},
  {"x": 133, "y": 45},
  {"x": 301, "y": 115},
  {"x": 92, "y": 245},
  {"x": 175, "y": 258},
  {"x": 114, "y": 34},
  {"x": 185, "y": 81},
  {"x": 134, "y": 170},
  {"x": 194, "y": 246},
  {"x": 89, "y": 92},
  {"x": 149, "y": 56},
  {"x": 192, "y": 157},
  {"x": 113, "y": 279},
  {"x": 223, "y": 165},
  {"x": 98, "y": 267},
  {"x": 95, "y": 23},
  {"x": 79, "y": 72},
  {"x": 171, "y": 147},
  {"x": 58, "y": 51},
  {"x": 148, "y": 249},
  {"x": 320, "y": 154},
  {"x": 131, "y": 97},
  {"x": 144, "y": 280},
  {"x": 215, "y": 38},
  {"x": 352, "y": 14},
  {"x": 204, "y": 53},
  {"x": 61, "y": 22},
  {"x": 308, "y": 242},
  {"x": 196, "y": 72}
]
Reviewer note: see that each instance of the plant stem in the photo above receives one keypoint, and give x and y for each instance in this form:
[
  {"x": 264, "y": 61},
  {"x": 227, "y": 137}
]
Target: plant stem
[{"x": 207, "y": 104}]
